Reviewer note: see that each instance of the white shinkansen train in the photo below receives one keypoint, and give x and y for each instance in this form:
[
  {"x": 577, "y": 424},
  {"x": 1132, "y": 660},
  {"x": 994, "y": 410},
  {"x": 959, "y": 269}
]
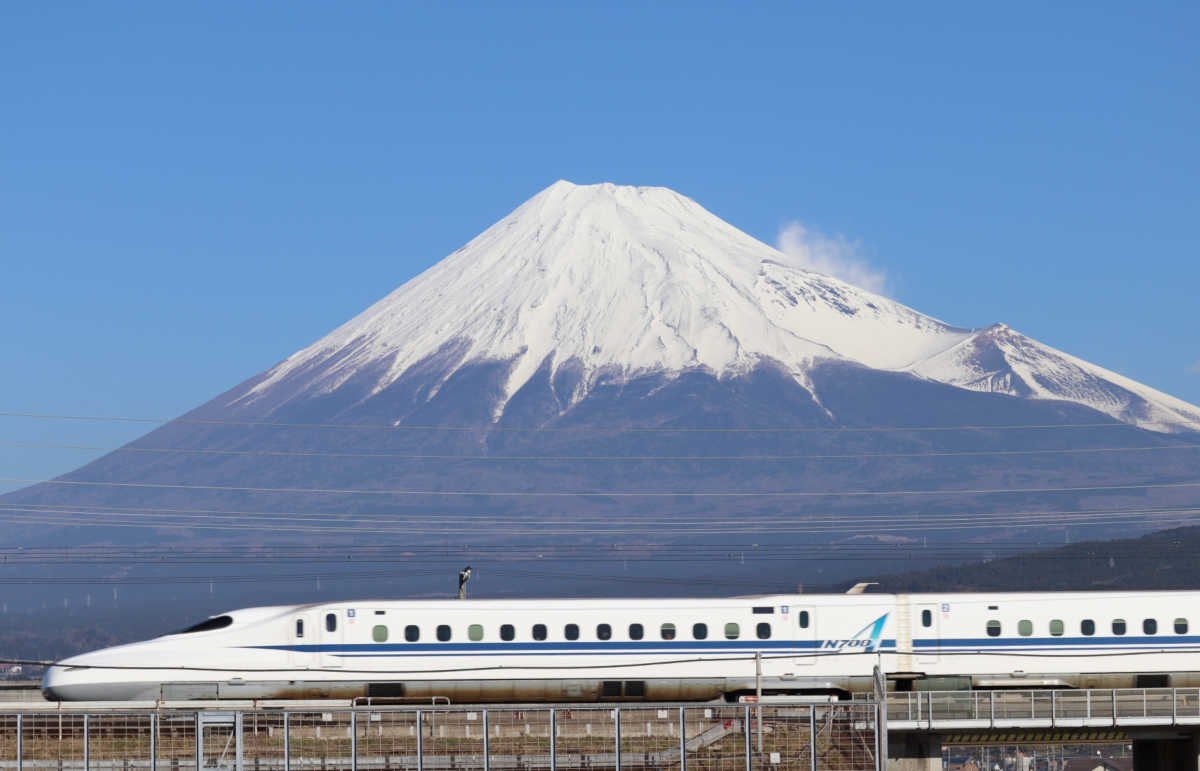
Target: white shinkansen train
[{"x": 654, "y": 649}]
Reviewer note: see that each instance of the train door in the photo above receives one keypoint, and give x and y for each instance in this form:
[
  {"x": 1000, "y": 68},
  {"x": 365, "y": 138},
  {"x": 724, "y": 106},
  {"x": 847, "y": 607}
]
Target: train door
[
  {"x": 927, "y": 634},
  {"x": 302, "y": 635},
  {"x": 332, "y": 634},
  {"x": 804, "y": 631}
]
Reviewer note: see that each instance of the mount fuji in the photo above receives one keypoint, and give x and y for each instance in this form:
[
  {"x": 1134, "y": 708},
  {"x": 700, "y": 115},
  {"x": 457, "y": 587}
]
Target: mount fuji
[
  {"x": 602, "y": 283},
  {"x": 615, "y": 367}
]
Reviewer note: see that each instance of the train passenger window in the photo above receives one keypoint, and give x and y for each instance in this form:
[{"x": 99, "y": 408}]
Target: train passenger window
[
  {"x": 475, "y": 632},
  {"x": 927, "y": 618},
  {"x": 1118, "y": 626},
  {"x": 571, "y": 631},
  {"x": 1087, "y": 627},
  {"x": 763, "y": 630},
  {"x": 330, "y": 622},
  {"x": 1056, "y": 627},
  {"x": 507, "y": 632},
  {"x": 635, "y": 631},
  {"x": 732, "y": 631},
  {"x": 699, "y": 631},
  {"x": 412, "y": 633},
  {"x": 603, "y": 632},
  {"x": 803, "y": 616},
  {"x": 443, "y": 632},
  {"x": 379, "y": 633},
  {"x": 668, "y": 631},
  {"x": 1181, "y": 626},
  {"x": 539, "y": 632},
  {"x": 993, "y": 628},
  {"x": 1024, "y": 627},
  {"x": 1150, "y": 626},
  {"x": 299, "y": 627}
]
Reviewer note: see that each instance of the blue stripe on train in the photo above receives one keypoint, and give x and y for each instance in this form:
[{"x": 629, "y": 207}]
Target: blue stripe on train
[
  {"x": 777, "y": 647},
  {"x": 516, "y": 648}
]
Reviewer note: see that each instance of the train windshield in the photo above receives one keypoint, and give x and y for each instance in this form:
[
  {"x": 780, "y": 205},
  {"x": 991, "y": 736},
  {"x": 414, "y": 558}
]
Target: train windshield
[{"x": 208, "y": 625}]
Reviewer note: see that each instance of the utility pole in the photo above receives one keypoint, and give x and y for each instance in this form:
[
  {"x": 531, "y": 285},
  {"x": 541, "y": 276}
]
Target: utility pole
[
  {"x": 758, "y": 699},
  {"x": 879, "y": 686}
]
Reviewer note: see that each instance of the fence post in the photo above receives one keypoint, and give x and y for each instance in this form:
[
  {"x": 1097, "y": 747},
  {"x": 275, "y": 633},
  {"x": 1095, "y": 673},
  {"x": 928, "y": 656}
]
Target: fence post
[
  {"x": 153, "y": 742},
  {"x": 880, "y": 737},
  {"x": 239, "y": 722},
  {"x": 553, "y": 740},
  {"x": 812, "y": 737},
  {"x": 87, "y": 748},
  {"x": 199, "y": 742},
  {"x": 420, "y": 744},
  {"x": 617, "y": 738},
  {"x": 20, "y": 739},
  {"x": 353, "y": 740},
  {"x": 746, "y": 733},
  {"x": 1053, "y": 708},
  {"x": 487, "y": 747},
  {"x": 682, "y": 740}
]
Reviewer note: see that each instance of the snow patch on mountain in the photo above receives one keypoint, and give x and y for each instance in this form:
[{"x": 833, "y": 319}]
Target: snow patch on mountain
[{"x": 1001, "y": 360}]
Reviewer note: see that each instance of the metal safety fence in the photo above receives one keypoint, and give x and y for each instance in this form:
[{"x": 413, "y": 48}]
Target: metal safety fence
[
  {"x": 803, "y": 737},
  {"x": 1095, "y": 708}
]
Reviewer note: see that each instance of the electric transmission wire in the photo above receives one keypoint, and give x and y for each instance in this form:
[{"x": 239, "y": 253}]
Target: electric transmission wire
[
  {"x": 608, "y": 458},
  {"x": 601, "y": 493},
  {"x": 570, "y": 429},
  {"x": 671, "y": 519},
  {"x": 542, "y": 523}
]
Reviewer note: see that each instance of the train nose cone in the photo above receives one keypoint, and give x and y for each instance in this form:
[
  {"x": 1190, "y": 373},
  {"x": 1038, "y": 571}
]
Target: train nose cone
[
  {"x": 53, "y": 676},
  {"x": 95, "y": 677},
  {"x": 74, "y": 679}
]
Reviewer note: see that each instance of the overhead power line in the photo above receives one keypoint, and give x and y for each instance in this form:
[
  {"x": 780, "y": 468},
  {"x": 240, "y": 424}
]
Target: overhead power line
[
  {"x": 496, "y": 527},
  {"x": 607, "y": 458},
  {"x": 602, "y": 493},
  {"x": 570, "y": 429},
  {"x": 547, "y": 554},
  {"x": 501, "y": 524},
  {"x": 674, "y": 519},
  {"x": 367, "y": 552}
]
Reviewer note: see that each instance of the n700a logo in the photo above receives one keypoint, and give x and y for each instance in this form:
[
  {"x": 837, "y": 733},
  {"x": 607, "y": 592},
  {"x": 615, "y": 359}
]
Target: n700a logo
[{"x": 866, "y": 641}]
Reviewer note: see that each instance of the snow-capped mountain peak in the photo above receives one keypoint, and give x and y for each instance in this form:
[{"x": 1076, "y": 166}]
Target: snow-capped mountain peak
[
  {"x": 627, "y": 281},
  {"x": 631, "y": 279}
]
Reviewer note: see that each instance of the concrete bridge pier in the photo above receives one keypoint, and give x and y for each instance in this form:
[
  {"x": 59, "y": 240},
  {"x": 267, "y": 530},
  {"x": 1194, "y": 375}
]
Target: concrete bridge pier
[
  {"x": 914, "y": 752},
  {"x": 1171, "y": 754}
]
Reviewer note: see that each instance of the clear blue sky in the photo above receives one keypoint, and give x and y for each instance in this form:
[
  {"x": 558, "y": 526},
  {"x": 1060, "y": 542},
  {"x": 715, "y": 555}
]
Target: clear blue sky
[{"x": 190, "y": 192}]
